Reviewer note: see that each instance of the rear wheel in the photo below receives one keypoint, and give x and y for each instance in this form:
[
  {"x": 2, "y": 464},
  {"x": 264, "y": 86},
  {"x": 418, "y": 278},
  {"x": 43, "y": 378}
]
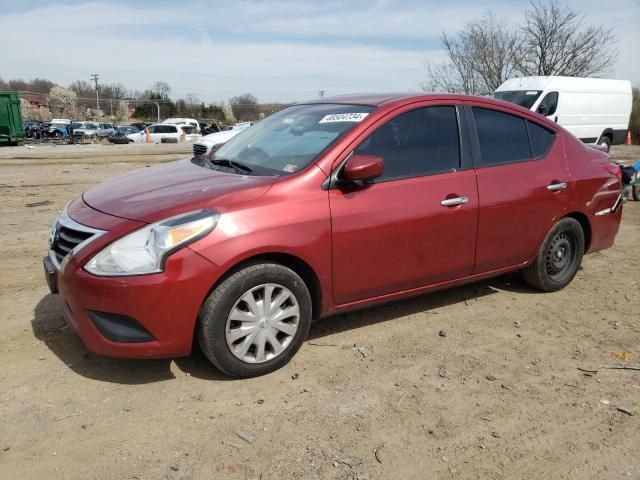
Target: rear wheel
[
  {"x": 255, "y": 320},
  {"x": 559, "y": 257},
  {"x": 635, "y": 191}
]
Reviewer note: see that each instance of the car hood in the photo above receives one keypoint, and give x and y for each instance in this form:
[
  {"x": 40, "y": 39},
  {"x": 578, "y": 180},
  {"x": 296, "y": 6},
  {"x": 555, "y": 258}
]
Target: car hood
[{"x": 156, "y": 193}]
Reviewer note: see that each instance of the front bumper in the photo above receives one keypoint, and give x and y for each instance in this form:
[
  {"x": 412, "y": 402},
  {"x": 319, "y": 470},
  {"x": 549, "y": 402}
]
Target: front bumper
[{"x": 137, "y": 316}]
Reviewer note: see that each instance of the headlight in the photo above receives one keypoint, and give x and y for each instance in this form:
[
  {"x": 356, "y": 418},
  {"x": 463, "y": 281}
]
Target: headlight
[{"x": 145, "y": 251}]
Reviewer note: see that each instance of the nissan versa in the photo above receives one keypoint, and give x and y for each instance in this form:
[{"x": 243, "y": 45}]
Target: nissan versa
[{"x": 325, "y": 207}]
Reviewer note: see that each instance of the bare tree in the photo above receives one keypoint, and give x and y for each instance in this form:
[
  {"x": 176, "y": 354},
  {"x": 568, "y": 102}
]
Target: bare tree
[
  {"x": 161, "y": 90},
  {"x": 245, "y": 107},
  {"x": 83, "y": 88},
  {"x": 18, "y": 84},
  {"x": 116, "y": 91},
  {"x": 454, "y": 75},
  {"x": 557, "y": 41},
  {"x": 41, "y": 85},
  {"x": 553, "y": 40},
  {"x": 479, "y": 58}
]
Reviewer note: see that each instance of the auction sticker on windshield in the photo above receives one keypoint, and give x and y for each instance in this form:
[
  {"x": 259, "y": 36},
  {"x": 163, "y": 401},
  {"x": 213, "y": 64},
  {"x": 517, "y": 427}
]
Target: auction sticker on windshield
[{"x": 343, "y": 117}]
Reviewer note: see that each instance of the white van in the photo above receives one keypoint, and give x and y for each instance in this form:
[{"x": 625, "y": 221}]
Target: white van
[{"x": 596, "y": 110}]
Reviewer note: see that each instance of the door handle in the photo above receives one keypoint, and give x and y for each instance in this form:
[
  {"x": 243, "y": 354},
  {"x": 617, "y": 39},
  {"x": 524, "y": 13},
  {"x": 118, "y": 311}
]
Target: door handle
[
  {"x": 452, "y": 202},
  {"x": 554, "y": 187}
]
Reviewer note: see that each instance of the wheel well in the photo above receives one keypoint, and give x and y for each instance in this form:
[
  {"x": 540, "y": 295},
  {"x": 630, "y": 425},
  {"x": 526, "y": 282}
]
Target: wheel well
[
  {"x": 296, "y": 264},
  {"x": 607, "y": 133},
  {"x": 586, "y": 227}
]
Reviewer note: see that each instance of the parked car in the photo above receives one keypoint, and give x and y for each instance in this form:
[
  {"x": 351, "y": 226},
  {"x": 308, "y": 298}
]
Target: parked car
[
  {"x": 57, "y": 130},
  {"x": 321, "y": 208},
  {"x": 105, "y": 129},
  {"x": 184, "y": 121},
  {"x": 190, "y": 132},
  {"x": 120, "y": 134},
  {"x": 596, "y": 110},
  {"x": 92, "y": 130},
  {"x": 84, "y": 130},
  {"x": 158, "y": 132},
  {"x": 204, "y": 145}
]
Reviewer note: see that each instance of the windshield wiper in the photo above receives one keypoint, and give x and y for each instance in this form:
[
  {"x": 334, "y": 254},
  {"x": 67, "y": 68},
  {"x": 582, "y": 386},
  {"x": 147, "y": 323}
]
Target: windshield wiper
[{"x": 237, "y": 166}]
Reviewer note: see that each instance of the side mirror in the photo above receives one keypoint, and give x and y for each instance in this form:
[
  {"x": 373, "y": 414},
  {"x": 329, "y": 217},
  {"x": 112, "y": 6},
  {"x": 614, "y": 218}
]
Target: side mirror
[
  {"x": 543, "y": 110},
  {"x": 363, "y": 167}
]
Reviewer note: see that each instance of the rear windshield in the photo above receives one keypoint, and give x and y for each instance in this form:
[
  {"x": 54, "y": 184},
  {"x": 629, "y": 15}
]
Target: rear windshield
[{"x": 524, "y": 98}]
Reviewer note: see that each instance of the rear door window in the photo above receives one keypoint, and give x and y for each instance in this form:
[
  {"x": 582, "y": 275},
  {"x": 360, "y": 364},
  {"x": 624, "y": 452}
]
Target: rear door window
[
  {"x": 419, "y": 142},
  {"x": 502, "y": 137}
]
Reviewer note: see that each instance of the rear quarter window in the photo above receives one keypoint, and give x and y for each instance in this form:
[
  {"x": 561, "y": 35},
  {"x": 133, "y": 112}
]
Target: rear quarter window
[{"x": 541, "y": 139}]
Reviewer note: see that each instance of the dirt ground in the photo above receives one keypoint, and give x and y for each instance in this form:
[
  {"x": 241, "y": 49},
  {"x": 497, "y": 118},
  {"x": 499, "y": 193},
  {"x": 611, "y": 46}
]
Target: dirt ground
[{"x": 505, "y": 391}]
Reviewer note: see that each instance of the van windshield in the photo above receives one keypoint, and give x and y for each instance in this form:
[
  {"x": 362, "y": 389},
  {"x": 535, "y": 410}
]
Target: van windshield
[
  {"x": 291, "y": 139},
  {"x": 524, "y": 98}
]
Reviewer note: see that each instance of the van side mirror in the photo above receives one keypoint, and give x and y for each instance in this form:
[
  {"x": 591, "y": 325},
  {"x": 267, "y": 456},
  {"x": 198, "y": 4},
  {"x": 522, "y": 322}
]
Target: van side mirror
[
  {"x": 363, "y": 167},
  {"x": 543, "y": 110}
]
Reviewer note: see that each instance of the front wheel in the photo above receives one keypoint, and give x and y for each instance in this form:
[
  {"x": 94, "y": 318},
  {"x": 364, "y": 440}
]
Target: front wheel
[
  {"x": 605, "y": 142},
  {"x": 255, "y": 320},
  {"x": 558, "y": 258},
  {"x": 635, "y": 191}
]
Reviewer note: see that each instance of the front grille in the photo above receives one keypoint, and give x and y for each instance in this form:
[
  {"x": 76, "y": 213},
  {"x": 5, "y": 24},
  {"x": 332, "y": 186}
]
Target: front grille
[
  {"x": 199, "y": 149},
  {"x": 66, "y": 235},
  {"x": 66, "y": 239}
]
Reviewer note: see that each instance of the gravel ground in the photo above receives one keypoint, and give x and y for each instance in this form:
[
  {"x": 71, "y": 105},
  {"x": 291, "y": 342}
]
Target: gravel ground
[{"x": 491, "y": 380}]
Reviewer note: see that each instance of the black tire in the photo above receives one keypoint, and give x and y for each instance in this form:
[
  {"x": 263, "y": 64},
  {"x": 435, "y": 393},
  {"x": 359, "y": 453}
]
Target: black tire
[
  {"x": 558, "y": 258},
  {"x": 635, "y": 191},
  {"x": 212, "y": 321},
  {"x": 605, "y": 141}
]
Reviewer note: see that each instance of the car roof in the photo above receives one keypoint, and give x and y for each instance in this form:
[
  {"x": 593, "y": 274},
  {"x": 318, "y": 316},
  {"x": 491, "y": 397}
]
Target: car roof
[
  {"x": 383, "y": 99},
  {"x": 380, "y": 99}
]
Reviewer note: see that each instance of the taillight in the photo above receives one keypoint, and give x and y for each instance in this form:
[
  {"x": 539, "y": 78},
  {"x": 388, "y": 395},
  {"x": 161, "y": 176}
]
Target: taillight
[{"x": 614, "y": 169}]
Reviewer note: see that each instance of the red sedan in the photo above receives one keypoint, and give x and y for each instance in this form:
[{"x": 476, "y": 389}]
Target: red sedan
[{"x": 324, "y": 207}]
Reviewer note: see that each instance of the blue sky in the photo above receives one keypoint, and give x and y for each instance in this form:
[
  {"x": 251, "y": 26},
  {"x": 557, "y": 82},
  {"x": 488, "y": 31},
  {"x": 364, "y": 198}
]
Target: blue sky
[{"x": 282, "y": 50}]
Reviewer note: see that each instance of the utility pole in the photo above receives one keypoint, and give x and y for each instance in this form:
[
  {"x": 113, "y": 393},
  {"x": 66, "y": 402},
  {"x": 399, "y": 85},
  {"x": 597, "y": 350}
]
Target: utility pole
[
  {"x": 95, "y": 78},
  {"x": 321, "y": 93},
  {"x": 158, "y": 107}
]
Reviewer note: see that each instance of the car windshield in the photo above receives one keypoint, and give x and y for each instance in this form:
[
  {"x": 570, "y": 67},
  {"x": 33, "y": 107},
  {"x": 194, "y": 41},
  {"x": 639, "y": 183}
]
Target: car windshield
[
  {"x": 524, "y": 98},
  {"x": 291, "y": 139}
]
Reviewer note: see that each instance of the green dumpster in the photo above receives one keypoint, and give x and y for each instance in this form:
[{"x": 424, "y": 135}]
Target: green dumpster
[{"x": 11, "y": 128}]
